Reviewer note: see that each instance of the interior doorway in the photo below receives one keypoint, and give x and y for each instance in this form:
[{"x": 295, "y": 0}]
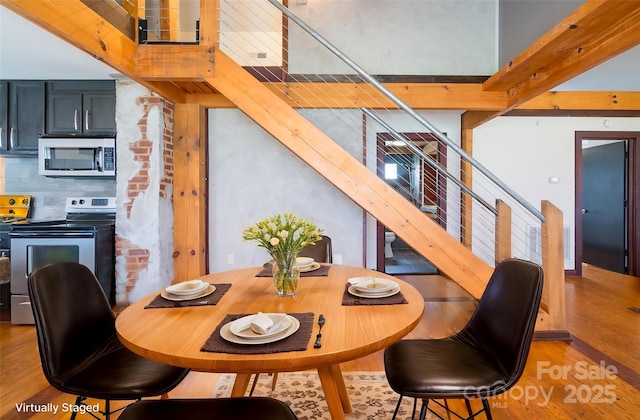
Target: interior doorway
[
  {"x": 420, "y": 183},
  {"x": 607, "y": 201}
]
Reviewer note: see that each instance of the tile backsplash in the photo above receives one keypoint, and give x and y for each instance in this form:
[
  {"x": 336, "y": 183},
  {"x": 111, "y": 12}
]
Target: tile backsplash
[{"x": 49, "y": 194}]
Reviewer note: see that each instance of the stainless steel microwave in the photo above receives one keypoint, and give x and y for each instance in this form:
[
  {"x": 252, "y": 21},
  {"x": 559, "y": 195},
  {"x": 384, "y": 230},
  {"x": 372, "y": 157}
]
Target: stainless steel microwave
[{"x": 77, "y": 156}]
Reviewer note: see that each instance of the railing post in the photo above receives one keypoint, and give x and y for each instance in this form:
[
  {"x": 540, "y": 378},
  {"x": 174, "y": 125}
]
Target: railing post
[
  {"x": 553, "y": 294},
  {"x": 209, "y": 22},
  {"x": 503, "y": 232}
]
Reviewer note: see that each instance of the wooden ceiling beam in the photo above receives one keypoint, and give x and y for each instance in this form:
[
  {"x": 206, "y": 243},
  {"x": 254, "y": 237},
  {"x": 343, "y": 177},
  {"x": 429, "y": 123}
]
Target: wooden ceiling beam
[
  {"x": 337, "y": 95},
  {"x": 591, "y": 101},
  {"x": 174, "y": 62},
  {"x": 594, "y": 33},
  {"x": 605, "y": 104}
]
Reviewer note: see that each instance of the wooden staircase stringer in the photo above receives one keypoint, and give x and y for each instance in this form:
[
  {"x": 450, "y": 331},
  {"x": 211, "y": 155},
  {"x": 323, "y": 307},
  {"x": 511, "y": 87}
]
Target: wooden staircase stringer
[{"x": 349, "y": 175}]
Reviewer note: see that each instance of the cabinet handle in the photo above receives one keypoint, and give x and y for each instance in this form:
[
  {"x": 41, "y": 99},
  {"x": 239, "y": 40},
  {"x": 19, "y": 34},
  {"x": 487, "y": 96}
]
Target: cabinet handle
[
  {"x": 11, "y": 138},
  {"x": 86, "y": 120},
  {"x": 75, "y": 119}
]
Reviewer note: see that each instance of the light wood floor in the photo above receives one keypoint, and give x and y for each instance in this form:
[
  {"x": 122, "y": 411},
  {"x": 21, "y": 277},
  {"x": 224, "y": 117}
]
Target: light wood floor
[{"x": 600, "y": 318}]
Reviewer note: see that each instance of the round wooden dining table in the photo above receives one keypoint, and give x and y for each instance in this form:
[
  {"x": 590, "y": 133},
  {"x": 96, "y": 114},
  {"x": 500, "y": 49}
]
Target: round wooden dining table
[{"x": 176, "y": 335}]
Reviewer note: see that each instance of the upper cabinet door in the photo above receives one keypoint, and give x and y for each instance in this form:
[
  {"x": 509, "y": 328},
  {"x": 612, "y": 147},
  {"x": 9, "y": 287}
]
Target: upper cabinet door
[
  {"x": 25, "y": 115},
  {"x": 64, "y": 113},
  {"x": 99, "y": 113},
  {"x": 4, "y": 109}
]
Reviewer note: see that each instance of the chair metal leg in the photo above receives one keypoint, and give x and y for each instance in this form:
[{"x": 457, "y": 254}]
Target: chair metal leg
[
  {"x": 487, "y": 409},
  {"x": 468, "y": 404},
  {"x": 79, "y": 400},
  {"x": 395, "y": 413},
  {"x": 424, "y": 409},
  {"x": 445, "y": 402},
  {"x": 253, "y": 385},
  {"x": 255, "y": 382}
]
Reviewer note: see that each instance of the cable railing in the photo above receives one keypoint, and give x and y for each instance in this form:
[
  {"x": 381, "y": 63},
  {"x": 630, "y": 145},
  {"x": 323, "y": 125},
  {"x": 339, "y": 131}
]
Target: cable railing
[
  {"x": 165, "y": 22},
  {"x": 422, "y": 163}
]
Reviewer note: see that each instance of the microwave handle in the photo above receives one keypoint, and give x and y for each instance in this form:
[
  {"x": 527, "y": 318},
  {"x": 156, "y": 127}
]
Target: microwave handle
[{"x": 99, "y": 158}]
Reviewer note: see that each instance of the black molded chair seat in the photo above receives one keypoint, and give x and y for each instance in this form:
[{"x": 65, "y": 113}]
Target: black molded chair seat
[
  {"x": 79, "y": 349},
  {"x": 486, "y": 358},
  {"x": 242, "y": 408},
  {"x": 121, "y": 374},
  {"x": 448, "y": 368}
]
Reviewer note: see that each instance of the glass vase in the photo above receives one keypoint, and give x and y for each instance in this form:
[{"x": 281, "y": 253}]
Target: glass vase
[{"x": 286, "y": 274}]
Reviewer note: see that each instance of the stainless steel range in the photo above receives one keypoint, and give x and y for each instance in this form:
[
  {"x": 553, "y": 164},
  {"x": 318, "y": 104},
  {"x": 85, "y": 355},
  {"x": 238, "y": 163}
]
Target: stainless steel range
[
  {"x": 13, "y": 209},
  {"x": 86, "y": 236}
]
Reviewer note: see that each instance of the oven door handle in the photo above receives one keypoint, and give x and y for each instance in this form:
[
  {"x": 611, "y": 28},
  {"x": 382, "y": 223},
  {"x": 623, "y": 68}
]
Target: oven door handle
[{"x": 28, "y": 235}]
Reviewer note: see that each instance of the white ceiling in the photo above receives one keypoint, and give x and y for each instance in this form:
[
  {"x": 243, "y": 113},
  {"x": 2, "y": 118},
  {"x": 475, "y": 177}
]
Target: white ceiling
[{"x": 28, "y": 52}]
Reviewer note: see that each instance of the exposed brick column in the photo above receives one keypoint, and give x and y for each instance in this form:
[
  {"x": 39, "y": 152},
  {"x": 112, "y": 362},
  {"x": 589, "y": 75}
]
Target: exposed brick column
[{"x": 144, "y": 219}]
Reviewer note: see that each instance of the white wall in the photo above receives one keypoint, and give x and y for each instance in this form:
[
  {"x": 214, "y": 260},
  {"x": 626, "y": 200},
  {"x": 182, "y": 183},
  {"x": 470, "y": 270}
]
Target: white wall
[
  {"x": 432, "y": 37},
  {"x": 252, "y": 176},
  {"x": 525, "y": 152}
]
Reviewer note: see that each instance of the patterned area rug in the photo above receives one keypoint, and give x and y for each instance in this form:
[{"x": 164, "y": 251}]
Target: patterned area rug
[{"x": 369, "y": 393}]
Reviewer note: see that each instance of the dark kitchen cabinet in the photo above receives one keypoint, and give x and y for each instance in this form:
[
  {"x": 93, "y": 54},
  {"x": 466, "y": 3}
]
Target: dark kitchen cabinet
[
  {"x": 4, "y": 109},
  {"x": 22, "y": 116},
  {"x": 85, "y": 108}
]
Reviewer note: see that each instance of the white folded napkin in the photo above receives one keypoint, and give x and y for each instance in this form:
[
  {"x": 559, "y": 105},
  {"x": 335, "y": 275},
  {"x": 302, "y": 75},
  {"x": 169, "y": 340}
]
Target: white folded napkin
[
  {"x": 261, "y": 323},
  {"x": 187, "y": 287}
]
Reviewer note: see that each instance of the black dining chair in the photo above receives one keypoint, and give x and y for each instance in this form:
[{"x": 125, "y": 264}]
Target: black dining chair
[
  {"x": 79, "y": 349},
  {"x": 321, "y": 251},
  {"x": 240, "y": 408},
  {"x": 486, "y": 358}
]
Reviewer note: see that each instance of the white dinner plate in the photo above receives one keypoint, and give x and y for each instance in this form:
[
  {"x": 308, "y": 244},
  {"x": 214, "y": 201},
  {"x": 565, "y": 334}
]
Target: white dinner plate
[
  {"x": 176, "y": 298},
  {"x": 242, "y": 327},
  {"x": 187, "y": 288},
  {"x": 312, "y": 267},
  {"x": 374, "y": 285},
  {"x": 225, "y": 332},
  {"x": 388, "y": 293}
]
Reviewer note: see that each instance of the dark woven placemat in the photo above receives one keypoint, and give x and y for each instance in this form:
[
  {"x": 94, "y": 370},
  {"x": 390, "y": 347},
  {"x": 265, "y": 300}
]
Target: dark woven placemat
[
  {"x": 298, "y": 341},
  {"x": 350, "y": 300},
  {"x": 212, "y": 299},
  {"x": 323, "y": 271}
]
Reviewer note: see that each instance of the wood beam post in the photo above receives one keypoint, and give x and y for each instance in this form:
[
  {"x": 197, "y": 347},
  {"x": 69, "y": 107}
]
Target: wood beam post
[
  {"x": 553, "y": 293},
  {"x": 503, "y": 232},
  {"x": 466, "y": 201},
  {"x": 190, "y": 192}
]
